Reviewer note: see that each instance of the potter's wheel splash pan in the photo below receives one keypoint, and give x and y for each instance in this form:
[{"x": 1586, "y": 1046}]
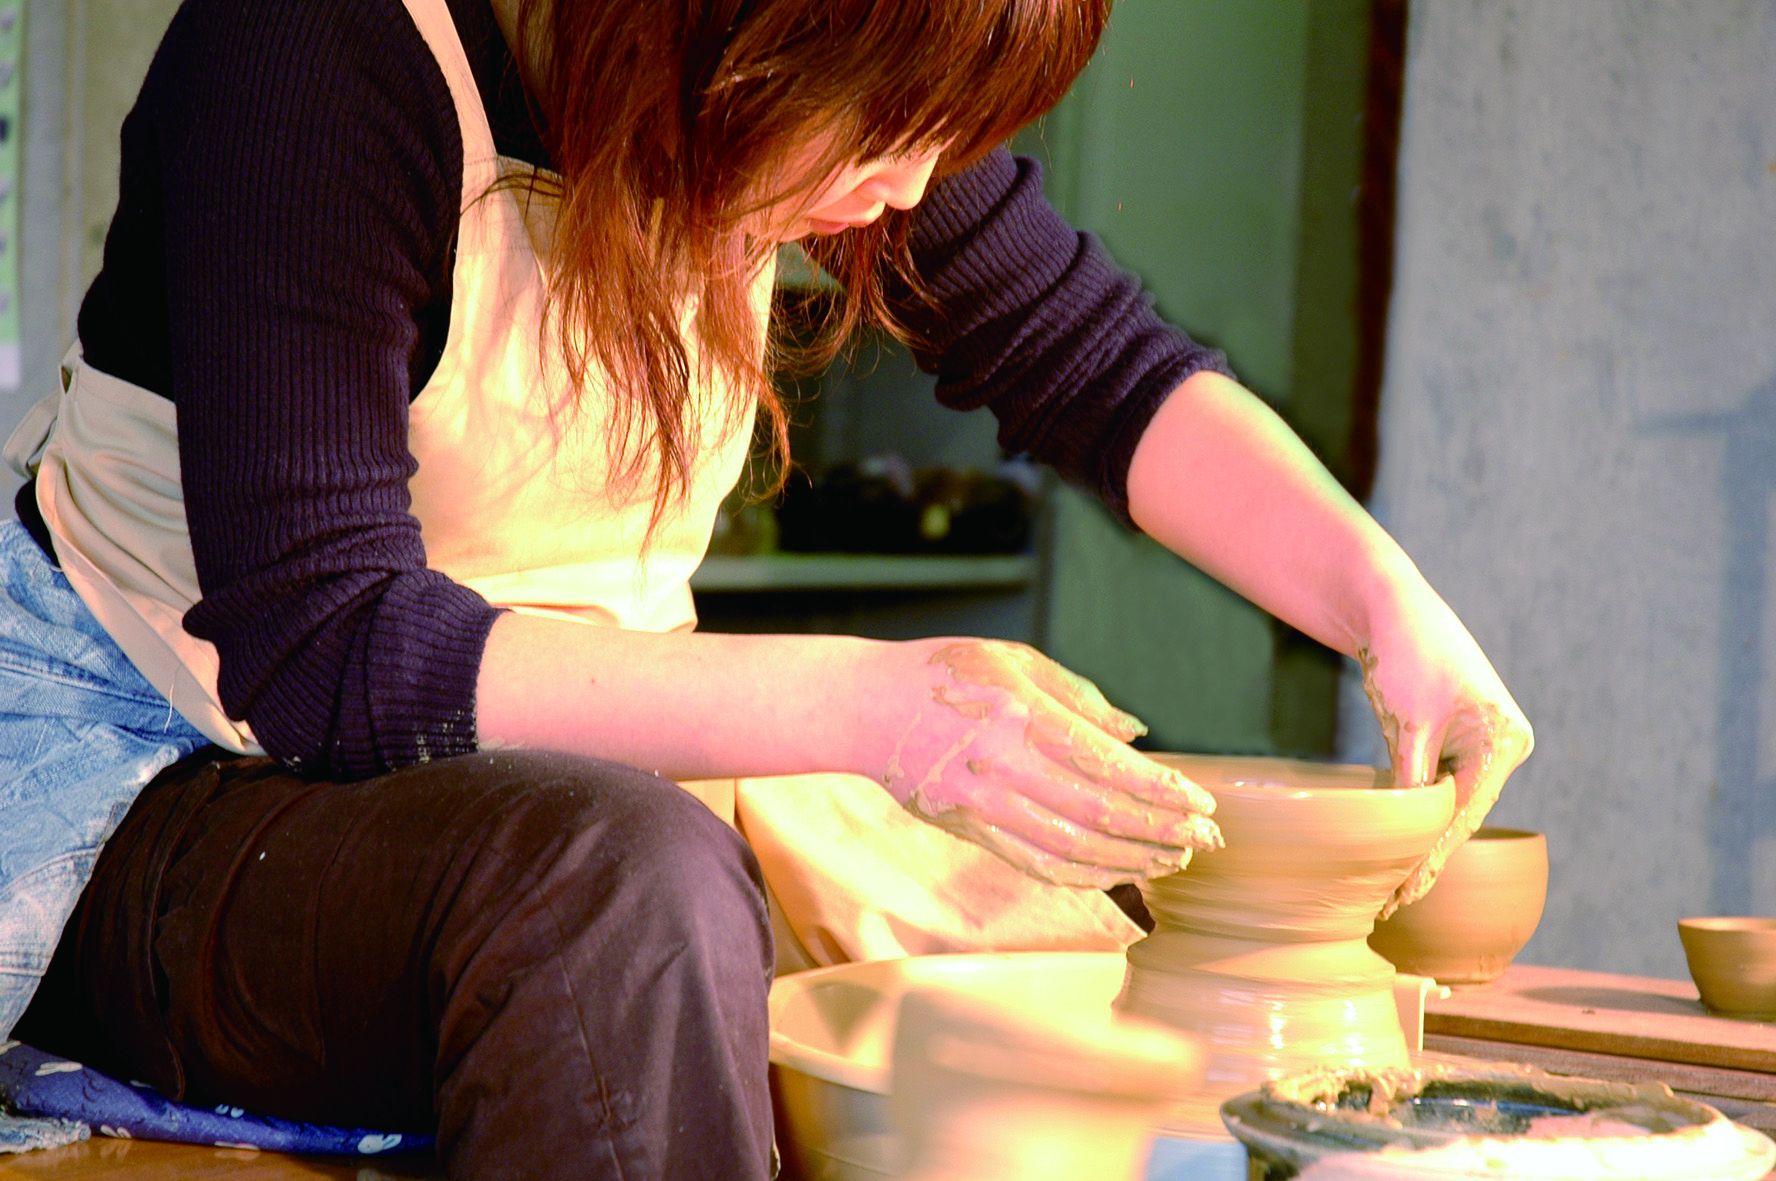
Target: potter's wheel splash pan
[{"x": 1509, "y": 1123}]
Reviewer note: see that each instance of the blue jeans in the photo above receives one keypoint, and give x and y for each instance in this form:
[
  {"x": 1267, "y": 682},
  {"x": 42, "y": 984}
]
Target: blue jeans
[{"x": 81, "y": 733}]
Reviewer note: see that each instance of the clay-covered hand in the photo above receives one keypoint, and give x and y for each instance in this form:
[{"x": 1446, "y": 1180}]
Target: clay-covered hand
[
  {"x": 1443, "y": 710},
  {"x": 1011, "y": 751}
]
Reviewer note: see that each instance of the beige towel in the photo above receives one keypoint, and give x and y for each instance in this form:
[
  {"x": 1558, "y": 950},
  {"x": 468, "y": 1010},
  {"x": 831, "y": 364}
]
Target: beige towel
[{"x": 853, "y": 876}]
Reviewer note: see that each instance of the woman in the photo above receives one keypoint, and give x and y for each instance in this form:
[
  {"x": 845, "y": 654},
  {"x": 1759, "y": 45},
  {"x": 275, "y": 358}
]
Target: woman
[{"x": 370, "y": 420}]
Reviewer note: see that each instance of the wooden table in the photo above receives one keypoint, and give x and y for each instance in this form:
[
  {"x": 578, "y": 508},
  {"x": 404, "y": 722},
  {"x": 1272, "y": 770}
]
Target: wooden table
[{"x": 1623, "y": 1028}]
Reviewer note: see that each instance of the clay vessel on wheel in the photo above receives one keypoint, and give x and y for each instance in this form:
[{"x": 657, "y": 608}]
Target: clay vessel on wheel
[{"x": 1260, "y": 947}]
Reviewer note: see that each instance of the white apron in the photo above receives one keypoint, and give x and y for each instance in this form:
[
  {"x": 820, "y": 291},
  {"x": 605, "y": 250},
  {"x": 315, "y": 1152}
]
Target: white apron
[{"x": 514, "y": 501}]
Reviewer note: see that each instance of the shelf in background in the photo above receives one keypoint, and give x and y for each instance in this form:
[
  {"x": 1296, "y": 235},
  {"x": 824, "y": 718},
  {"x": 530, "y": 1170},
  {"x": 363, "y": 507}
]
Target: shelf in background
[{"x": 862, "y": 572}]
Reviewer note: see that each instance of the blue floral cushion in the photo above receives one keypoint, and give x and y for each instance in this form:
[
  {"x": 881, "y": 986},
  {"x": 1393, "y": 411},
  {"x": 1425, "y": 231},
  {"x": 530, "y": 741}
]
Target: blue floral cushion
[{"x": 63, "y": 1095}]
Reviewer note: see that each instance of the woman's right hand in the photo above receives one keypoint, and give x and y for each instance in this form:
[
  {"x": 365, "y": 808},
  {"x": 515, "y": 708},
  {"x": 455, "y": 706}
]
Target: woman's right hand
[{"x": 1002, "y": 746}]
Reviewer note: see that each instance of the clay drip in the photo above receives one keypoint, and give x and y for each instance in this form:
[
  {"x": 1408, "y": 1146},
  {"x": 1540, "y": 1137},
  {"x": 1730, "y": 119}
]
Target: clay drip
[{"x": 1260, "y": 947}]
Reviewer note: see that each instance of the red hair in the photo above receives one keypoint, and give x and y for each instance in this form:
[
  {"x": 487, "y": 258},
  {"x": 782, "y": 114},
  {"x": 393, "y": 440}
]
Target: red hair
[{"x": 672, "y": 122}]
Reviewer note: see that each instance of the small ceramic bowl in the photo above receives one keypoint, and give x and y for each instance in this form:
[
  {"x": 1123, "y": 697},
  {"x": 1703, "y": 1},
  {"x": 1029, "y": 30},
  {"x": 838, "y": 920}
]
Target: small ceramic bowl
[
  {"x": 1483, "y": 909},
  {"x": 1733, "y": 962}
]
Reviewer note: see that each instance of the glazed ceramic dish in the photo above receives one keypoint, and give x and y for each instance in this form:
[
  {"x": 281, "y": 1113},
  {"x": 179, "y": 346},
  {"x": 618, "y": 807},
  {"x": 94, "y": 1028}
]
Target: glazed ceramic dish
[
  {"x": 1259, "y": 948},
  {"x": 1483, "y": 909},
  {"x": 1497, "y": 1122},
  {"x": 1733, "y": 962}
]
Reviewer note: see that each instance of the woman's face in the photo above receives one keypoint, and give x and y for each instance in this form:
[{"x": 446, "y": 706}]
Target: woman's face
[{"x": 855, "y": 196}]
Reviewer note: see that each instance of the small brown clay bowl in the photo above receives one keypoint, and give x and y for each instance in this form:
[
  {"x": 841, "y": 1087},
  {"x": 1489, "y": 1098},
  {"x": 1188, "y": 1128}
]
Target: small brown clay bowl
[
  {"x": 1733, "y": 962},
  {"x": 1483, "y": 909}
]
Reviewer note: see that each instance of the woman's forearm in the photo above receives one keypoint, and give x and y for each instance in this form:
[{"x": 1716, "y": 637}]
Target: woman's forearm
[
  {"x": 684, "y": 704},
  {"x": 1220, "y": 480},
  {"x": 990, "y": 740}
]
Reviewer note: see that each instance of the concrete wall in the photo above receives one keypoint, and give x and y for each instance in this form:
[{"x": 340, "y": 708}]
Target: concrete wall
[
  {"x": 1579, "y": 432},
  {"x": 43, "y": 204}
]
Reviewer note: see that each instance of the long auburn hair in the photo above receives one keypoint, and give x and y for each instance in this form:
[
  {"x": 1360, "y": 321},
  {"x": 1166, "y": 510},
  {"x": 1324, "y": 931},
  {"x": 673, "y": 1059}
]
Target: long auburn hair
[{"x": 671, "y": 123}]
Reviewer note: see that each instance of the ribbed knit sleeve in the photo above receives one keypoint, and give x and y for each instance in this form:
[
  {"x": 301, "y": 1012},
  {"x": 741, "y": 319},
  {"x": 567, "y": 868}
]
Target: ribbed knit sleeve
[
  {"x": 1035, "y": 321},
  {"x": 292, "y": 171}
]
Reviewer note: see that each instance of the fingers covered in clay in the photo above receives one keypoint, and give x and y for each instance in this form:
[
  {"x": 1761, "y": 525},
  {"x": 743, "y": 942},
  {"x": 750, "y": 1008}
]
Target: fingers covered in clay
[
  {"x": 1069, "y": 816},
  {"x": 1443, "y": 710},
  {"x": 1027, "y": 759},
  {"x": 1019, "y": 668},
  {"x": 1484, "y": 745},
  {"x": 1045, "y": 866},
  {"x": 1071, "y": 742},
  {"x": 1049, "y": 833}
]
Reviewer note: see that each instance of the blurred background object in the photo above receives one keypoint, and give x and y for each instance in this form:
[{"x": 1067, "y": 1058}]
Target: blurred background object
[{"x": 882, "y": 506}]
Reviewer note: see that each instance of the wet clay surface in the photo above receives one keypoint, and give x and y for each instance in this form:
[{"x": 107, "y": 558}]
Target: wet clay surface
[{"x": 1260, "y": 947}]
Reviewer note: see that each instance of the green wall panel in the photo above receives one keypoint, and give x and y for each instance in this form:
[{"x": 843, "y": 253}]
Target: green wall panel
[{"x": 1194, "y": 147}]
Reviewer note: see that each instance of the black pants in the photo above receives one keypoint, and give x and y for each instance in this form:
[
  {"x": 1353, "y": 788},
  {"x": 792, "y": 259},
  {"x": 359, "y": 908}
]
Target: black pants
[{"x": 558, "y": 964}]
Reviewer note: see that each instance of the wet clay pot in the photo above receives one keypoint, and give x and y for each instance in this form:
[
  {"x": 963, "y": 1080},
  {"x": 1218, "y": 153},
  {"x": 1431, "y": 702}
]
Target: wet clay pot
[
  {"x": 1483, "y": 909},
  {"x": 1260, "y": 947},
  {"x": 1733, "y": 962},
  {"x": 1000, "y": 1087}
]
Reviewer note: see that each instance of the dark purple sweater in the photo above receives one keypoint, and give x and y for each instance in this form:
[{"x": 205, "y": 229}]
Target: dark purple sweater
[{"x": 280, "y": 267}]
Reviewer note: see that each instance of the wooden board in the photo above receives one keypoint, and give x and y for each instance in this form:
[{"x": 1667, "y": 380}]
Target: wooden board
[
  {"x": 144, "y": 1160},
  {"x": 1707, "y": 1083},
  {"x": 1628, "y": 1016}
]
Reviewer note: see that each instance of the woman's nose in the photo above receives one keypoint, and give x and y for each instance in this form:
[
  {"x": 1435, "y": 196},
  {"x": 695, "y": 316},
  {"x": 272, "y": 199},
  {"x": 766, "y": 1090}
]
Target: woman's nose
[{"x": 900, "y": 183}]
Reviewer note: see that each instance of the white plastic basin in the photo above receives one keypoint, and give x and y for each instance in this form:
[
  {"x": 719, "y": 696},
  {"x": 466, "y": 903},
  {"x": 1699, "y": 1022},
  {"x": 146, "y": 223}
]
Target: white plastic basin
[{"x": 832, "y": 1034}]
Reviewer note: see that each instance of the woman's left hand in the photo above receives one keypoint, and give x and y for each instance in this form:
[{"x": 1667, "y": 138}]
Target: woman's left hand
[
  {"x": 1443, "y": 710},
  {"x": 1220, "y": 480}
]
